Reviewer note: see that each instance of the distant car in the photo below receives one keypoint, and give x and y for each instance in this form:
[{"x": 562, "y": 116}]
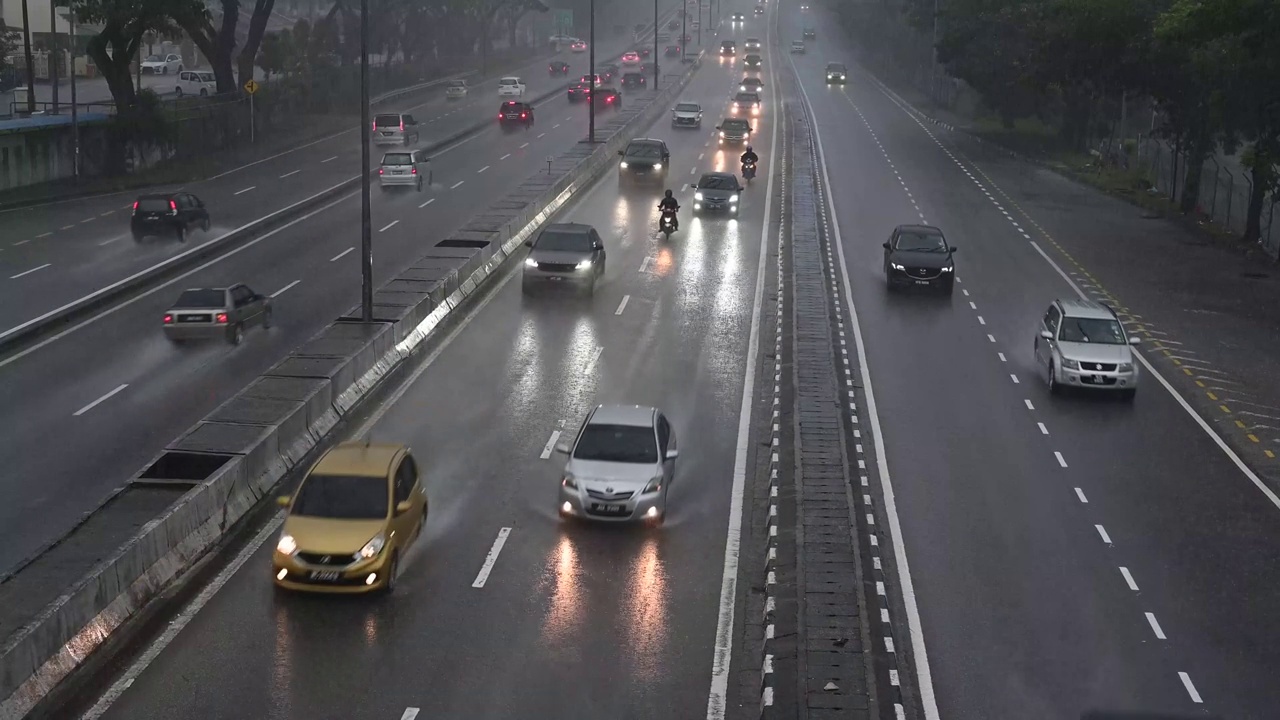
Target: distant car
[
  {"x": 752, "y": 44},
  {"x": 579, "y": 91},
  {"x": 558, "y": 67},
  {"x": 734, "y": 131},
  {"x": 716, "y": 192},
  {"x": 631, "y": 58},
  {"x": 511, "y": 86},
  {"x": 1083, "y": 344},
  {"x": 728, "y": 48},
  {"x": 751, "y": 84},
  {"x": 403, "y": 168},
  {"x": 456, "y": 90},
  {"x": 578, "y": 46},
  {"x": 566, "y": 254},
  {"x": 514, "y": 113},
  {"x": 672, "y": 51},
  {"x": 804, "y": 8},
  {"x": 196, "y": 82},
  {"x": 759, "y": 10},
  {"x": 746, "y": 103},
  {"x": 561, "y": 39},
  {"x": 810, "y": 34},
  {"x": 216, "y": 313},
  {"x": 607, "y": 98},
  {"x": 620, "y": 466},
  {"x": 797, "y": 47},
  {"x": 753, "y": 62},
  {"x": 352, "y": 520},
  {"x": 596, "y": 80},
  {"x": 162, "y": 64},
  {"x": 633, "y": 81},
  {"x": 645, "y": 52},
  {"x": 395, "y": 129},
  {"x": 739, "y": 17},
  {"x": 607, "y": 72},
  {"x": 171, "y": 214},
  {"x": 686, "y": 115},
  {"x": 676, "y": 23},
  {"x": 644, "y": 159},
  {"x": 919, "y": 256},
  {"x": 837, "y": 74}
]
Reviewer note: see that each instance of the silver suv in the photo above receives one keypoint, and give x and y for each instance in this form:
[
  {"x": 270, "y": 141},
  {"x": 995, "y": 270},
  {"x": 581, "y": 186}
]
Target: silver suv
[
  {"x": 567, "y": 254},
  {"x": 406, "y": 168},
  {"x": 1083, "y": 344},
  {"x": 620, "y": 467}
]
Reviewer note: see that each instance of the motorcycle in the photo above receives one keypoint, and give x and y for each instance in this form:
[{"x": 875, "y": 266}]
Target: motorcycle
[
  {"x": 748, "y": 170},
  {"x": 667, "y": 223}
]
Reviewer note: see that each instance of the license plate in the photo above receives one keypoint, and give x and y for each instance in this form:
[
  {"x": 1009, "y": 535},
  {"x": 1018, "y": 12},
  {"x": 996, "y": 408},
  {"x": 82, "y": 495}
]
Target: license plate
[
  {"x": 329, "y": 575},
  {"x": 1099, "y": 379},
  {"x": 609, "y": 508},
  {"x": 397, "y": 172},
  {"x": 922, "y": 282},
  {"x": 388, "y": 134}
]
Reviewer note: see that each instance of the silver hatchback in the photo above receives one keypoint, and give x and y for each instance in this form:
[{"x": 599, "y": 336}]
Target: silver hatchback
[
  {"x": 404, "y": 169},
  {"x": 620, "y": 466},
  {"x": 1083, "y": 344}
]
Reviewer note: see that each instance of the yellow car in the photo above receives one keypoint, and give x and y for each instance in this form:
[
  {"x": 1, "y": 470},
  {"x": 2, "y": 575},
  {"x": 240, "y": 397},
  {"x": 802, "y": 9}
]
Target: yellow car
[{"x": 351, "y": 520}]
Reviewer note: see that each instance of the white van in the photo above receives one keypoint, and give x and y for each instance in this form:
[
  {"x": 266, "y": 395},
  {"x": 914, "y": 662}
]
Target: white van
[{"x": 196, "y": 82}]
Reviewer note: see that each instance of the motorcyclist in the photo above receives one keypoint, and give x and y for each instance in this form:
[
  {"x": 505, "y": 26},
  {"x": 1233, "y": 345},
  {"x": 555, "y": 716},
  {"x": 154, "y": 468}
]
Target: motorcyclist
[
  {"x": 750, "y": 157},
  {"x": 670, "y": 204}
]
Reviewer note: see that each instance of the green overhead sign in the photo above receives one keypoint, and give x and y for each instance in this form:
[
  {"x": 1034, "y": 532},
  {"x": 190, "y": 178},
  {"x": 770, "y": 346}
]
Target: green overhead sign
[{"x": 563, "y": 20}]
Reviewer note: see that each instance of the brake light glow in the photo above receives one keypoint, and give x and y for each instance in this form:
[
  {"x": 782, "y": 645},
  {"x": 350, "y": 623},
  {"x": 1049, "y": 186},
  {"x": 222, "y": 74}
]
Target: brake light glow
[
  {"x": 135, "y": 205},
  {"x": 222, "y": 318},
  {"x": 168, "y": 319},
  {"x": 524, "y": 115},
  {"x": 401, "y": 124},
  {"x": 173, "y": 206},
  {"x": 381, "y": 170},
  {"x": 414, "y": 171}
]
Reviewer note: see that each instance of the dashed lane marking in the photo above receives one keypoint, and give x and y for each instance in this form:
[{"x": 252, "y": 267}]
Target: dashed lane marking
[
  {"x": 285, "y": 289},
  {"x": 24, "y": 273},
  {"x": 339, "y": 255},
  {"x": 119, "y": 388},
  {"x": 483, "y": 576}
]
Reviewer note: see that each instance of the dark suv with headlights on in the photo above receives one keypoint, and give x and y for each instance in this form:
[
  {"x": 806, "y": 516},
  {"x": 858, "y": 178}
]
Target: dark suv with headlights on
[
  {"x": 569, "y": 254},
  {"x": 644, "y": 159},
  {"x": 514, "y": 113},
  {"x": 173, "y": 214},
  {"x": 716, "y": 192},
  {"x": 836, "y": 74},
  {"x": 728, "y": 48},
  {"x": 734, "y": 131},
  {"x": 919, "y": 256},
  {"x": 753, "y": 61}
]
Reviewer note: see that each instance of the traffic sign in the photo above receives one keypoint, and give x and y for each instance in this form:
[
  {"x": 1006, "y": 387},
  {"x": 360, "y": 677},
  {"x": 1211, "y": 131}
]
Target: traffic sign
[
  {"x": 562, "y": 20},
  {"x": 251, "y": 86}
]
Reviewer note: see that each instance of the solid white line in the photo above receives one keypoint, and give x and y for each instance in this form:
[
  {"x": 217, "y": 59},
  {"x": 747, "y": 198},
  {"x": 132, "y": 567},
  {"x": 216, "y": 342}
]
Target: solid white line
[
  {"x": 622, "y": 305},
  {"x": 241, "y": 192},
  {"x": 486, "y": 167},
  {"x": 389, "y": 225},
  {"x": 335, "y": 157},
  {"x": 1217, "y": 439},
  {"x": 455, "y": 185},
  {"x": 1191, "y": 689},
  {"x": 491, "y": 558},
  {"x": 1083, "y": 499},
  {"x": 1103, "y": 532},
  {"x": 1128, "y": 579},
  {"x": 339, "y": 255},
  {"x": 28, "y": 272},
  {"x": 99, "y": 401},
  {"x": 409, "y": 713},
  {"x": 550, "y": 447},
  {"x": 294, "y": 172},
  {"x": 1155, "y": 626},
  {"x": 284, "y": 289},
  {"x": 181, "y": 621},
  {"x": 1061, "y": 460},
  {"x": 924, "y": 676},
  {"x": 427, "y": 203}
]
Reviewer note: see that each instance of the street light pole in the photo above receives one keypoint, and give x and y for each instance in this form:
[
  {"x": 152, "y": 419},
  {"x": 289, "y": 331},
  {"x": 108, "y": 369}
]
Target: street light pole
[
  {"x": 366, "y": 236},
  {"x": 31, "y": 61},
  {"x": 655, "y": 45},
  {"x": 75, "y": 114},
  {"x": 53, "y": 55},
  {"x": 591, "y": 75},
  {"x": 933, "y": 70},
  {"x": 684, "y": 30}
]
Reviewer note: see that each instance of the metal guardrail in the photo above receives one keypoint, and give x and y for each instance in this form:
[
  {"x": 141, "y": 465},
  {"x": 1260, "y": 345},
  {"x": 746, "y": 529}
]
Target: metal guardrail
[{"x": 18, "y": 108}]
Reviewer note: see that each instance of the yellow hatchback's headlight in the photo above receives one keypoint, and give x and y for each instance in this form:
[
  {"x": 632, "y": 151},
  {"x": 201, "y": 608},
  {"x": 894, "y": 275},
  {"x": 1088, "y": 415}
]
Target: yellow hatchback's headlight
[
  {"x": 374, "y": 546},
  {"x": 287, "y": 545}
]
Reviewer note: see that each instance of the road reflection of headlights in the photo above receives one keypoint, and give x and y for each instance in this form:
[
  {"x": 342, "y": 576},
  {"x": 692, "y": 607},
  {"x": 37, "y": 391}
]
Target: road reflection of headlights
[
  {"x": 697, "y": 196},
  {"x": 287, "y": 545},
  {"x": 583, "y": 265},
  {"x": 373, "y": 547},
  {"x": 530, "y": 262}
]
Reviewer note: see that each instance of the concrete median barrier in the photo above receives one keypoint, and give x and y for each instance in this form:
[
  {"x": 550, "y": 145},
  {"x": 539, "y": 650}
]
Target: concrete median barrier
[{"x": 231, "y": 460}]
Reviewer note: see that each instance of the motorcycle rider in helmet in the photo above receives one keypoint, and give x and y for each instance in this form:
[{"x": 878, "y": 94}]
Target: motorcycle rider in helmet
[
  {"x": 749, "y": 156},
  {"x": 669, "y": 203}
]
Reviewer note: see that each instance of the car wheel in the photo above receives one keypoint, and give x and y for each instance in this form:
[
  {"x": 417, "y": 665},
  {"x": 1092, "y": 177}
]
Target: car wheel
[
  {"x": 266, "y": 317},
  {"x": 1054, "y": 388},
  {"x": 204, "y": 92},
  {"x": 393, "y": 570},
  {"x": 235, "y": 334},
  {"x": 182, "y": 233},
  {"x": 419, "y": 184},
  {"x": 204, "y": 224},
  {"x": 177, "y": 91}
]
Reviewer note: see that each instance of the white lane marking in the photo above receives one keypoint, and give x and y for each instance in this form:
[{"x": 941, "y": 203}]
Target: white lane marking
[
  {"x": 104, "y": 214},
  {"x": 595, "y": 357},
  {"x": 1015, "y": 379},
  {"x": 108, "y": 241},
  {"x": 541, "y": 135},
  {"x": 486, "y": 167},
  {"x": 44, "y": 235},
  {"x": 622, "y": 305},
  {"x": 294, "y": 172},
  {"x": 1128, "y": 579},
  {"x": 88, "y": 220},
  {"x": 99, "y": 401},
  {"x": 22, "y": 242},
  {"x": 1028, "y": 403},
  {"x": 28, "y": 272},
  {"x": 1043, "y": 430},
  {"x": 553, "y": 127},
  {"x": 569, "y": 118},
  {"x": 550, "y": 447},
  {"x": 1080, "y": 494},
  {"x": 991, "y": 337},
  {"x": 409, "y": 713},
  {"x": 700, "y": 155},
  {"x": 973, "y": 305},
  {"x": 924, "y": 675},
  {"x": 644, "y": 266},
  {"x": 456, "y": 185},
  {"x": 692, "y": 170},
  {"x": 1103, "y": 532},
  {"x": 1002, "y": 357},
  {"x": 1217, "y": 439},
  {"x": 389, "y": 225},
  {"x": 67, "y": 227},
  {"x": 504, "y": 157},
  {"x": 181, "y": 621},
  {"x": 285, "y": 289},
  {"x": 1191, "y": 688},
  {"x": 335, "y": 157},
  {"x": 981, "y": 321},
  {"x": 491, "y": 558},
  {"x": 339, "y": 255},
  {"x": 524, "y": 146},
  {"x": 241, "y": 192},
  {"x": 1061, "y": 460},
  {"x": 1155, "y": 626}
]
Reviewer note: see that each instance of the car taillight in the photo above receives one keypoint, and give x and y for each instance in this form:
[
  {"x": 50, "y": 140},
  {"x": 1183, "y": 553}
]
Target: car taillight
[
  {"x": 381, "y": 170},
  {"x": 135, "y": 205},
  {"x": 402, "y": 126},
  {"x": 168, "y": 319},
  {"x": 375, "y": 126},
  {"x": 222, "y": 318},
  {"x": 414, "y": 171},
  {"x": 524, "y": 115},
  {"x": 499, "y": 116},
  {"x": 173, "y": 206}
]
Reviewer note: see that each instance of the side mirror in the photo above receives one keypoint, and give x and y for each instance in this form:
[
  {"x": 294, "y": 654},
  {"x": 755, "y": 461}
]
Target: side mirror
[
  {"x": 954, "y": 248},
  {"x": 717, "y": 127},
  {"x": 693, "y": 187},
  {"x": 673, "y": 454},
  {"x": 1047, "y": 335},
  {"x": 886, "y": 245},
  {"x": 284, "y": 500},
  {"x": 622, "y": 153},
  {"x": 403, "y": 507},
  {"x": 1135, "y": 340},
  {"x": 528, "y": 243},
  {"x": 563, "y": 448}
]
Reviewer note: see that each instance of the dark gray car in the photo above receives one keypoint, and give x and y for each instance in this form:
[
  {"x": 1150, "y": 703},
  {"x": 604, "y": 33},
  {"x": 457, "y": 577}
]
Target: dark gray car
[
  {"x": 565, "y": 254},
  {"x": 644, "y": 159},
  {"x": 717, "y": 192},
  {"x": 213, "y": 313}
]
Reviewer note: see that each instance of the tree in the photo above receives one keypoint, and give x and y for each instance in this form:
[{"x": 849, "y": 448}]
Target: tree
[
  {"x": 124, "y": 22},
  {"x": 217, "y": 43},
  {"x": 257, "y": 27},
  {"x": 990, "y": 44}
]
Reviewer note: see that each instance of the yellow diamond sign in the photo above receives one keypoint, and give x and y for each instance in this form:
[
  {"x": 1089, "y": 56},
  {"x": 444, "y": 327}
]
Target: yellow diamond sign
[{"x": 251, "y": 87}]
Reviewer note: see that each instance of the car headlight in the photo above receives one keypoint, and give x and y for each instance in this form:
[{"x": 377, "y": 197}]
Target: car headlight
[
  {"x": 583, "y": 265},
  {"x": 1125, "y": 367},
  {"x": 742, "y": 88},
  {"x": 1070, "y": 364},
  {"x": 657, "y": 166},
  {"x": 287, "y": 545},
  {"x": 654, "y": 486},
  {"x": 569, "y": 481},
  {"x": 733, "y": 198},
  {"x": 697, "y": 196},
  {"x": 623, "y": 164},
  {"x": 898, "y": 266},
  {"x": 530, "y": 262},
  {"x": 948, "y": 269},
  {"x": 721, "y": 133},
  {"x": 374, "y": 546}
]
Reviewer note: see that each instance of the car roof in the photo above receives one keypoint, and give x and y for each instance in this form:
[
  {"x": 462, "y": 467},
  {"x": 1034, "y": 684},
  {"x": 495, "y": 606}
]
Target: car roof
[
  {"x": 718, "y": 176},
  {"x": 359, "y": 459},
  {"x": 1074, "y": 307},
  {"x": 569, "y": 227},
  {"x": 158, "y": 196},
  {"x": 918, "y": 228},
  {"x": 646, "y": 141},
  {"x": 634, "y": 415}
]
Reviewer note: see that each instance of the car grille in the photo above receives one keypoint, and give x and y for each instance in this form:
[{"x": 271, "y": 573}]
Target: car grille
[
  {"x": 325, "y": 560},
  {"x": 686, "y": 121},
  {"x": 1098, "y": 367},
  {"x": 302, "y": 579},
  {"x": 612, "y": 498},
  {"x": 196, "y": 318},
  {"x": 557, "y": 267},
  {"x": 923, "y": 273}
]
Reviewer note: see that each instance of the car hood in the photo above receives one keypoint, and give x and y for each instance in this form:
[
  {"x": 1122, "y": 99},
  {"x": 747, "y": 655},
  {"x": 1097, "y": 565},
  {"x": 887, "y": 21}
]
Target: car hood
[
  {"x": 559, "y": 257},
  {"x": 921, "y": 259},
  {"x": 598, "y": 475},
  {"x": 329, "y": 535},
  {"x": 641, "y": 161},
  {"x": 717, "y": 194},
  {"x": 1095, "y": 352}
]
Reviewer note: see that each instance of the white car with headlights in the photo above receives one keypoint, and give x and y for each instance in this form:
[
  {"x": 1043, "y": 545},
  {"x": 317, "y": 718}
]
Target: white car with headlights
[{"x": 620, "y": 466}]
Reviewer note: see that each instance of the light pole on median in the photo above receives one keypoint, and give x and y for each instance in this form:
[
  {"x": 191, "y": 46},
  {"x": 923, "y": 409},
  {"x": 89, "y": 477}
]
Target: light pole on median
[
  {"x": 655, "y": 45},
  {"x": 591, "y": 75},
  {"x": 366, "y": 237}
]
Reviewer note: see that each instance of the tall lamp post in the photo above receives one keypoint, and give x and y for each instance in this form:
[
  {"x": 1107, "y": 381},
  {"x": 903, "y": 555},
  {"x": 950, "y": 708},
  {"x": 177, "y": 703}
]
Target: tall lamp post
[
  {"x": 655, "y": 45},
  {"x": 591, "y": 74},
  {"x": 366, "y": 237},
  {"x": 684, "y": 30}
]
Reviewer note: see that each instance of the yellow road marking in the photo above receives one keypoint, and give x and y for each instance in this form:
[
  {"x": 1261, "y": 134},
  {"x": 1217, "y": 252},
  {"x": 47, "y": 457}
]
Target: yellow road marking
[
  {"x": 1211, "y": 395},
  {"x": 1253, "y": 437}
]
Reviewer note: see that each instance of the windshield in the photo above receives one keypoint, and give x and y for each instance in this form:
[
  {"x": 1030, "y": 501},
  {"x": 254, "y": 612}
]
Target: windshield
[
  {"x": 728, "y": 44},
  {"x": 386, "y": 120},
  {"x": 644, "y": 150},
  {"x": 200, "y": 299},
  {"x": 155, "y": 58},
  {"x": 718, "y": 182},
  {"x": 154, "y": 204},
  {"x": 1096, "y": 331},
  {"x": 343, "y": 497},
  {"x": 753, "y": 58},
  {"x": 564, "y": 240},
  {"x": 735, "y": 125},
  {"x": 921, "y": 242},
  {"x": 205, "y": 77},
  {"x": 746, "y": 97},
  {"x": 397, "y": 159},
  {"x": 753, "y": 41},
  {"x": 688, "y": 107},
  {"x": 457, "y": 83},
  {"x": 617, "y": 443},
  {"x": 835, "y": 68},
  {"x": 509, "y": 81}
]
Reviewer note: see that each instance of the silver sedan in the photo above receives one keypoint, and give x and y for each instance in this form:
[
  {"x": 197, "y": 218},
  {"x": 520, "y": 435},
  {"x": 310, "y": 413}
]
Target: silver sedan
[{"x": 620, "y": 466}]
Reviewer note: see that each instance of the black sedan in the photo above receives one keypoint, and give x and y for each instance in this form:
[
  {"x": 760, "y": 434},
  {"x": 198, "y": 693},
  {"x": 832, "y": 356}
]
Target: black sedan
[
  {"x": 558, "y": 67},
  {"x": 634, "y": 81},
  {"x": 607, "y": 98},
  {"x": 579, "y": 91},
  {"x": 672, "y": 51},
  {"x": 919, "y": 256}
]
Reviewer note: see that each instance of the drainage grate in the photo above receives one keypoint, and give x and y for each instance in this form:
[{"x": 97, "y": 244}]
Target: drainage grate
[
  {"x": 184, "y": 466},
  {"x": 477, "y": 244}
]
